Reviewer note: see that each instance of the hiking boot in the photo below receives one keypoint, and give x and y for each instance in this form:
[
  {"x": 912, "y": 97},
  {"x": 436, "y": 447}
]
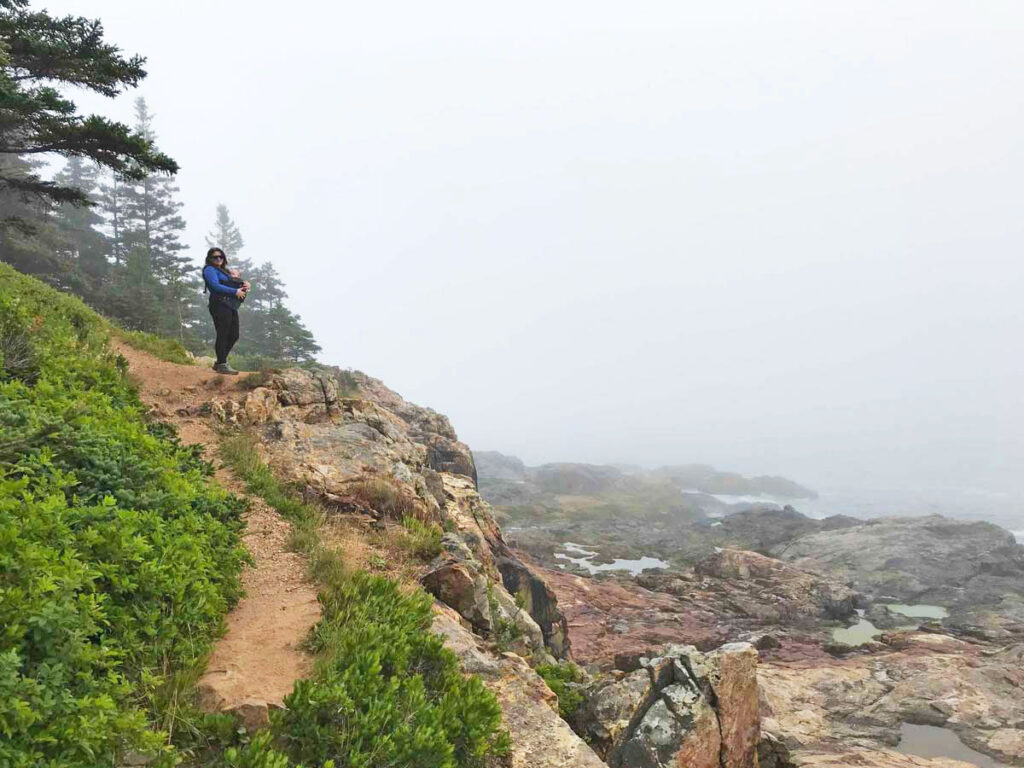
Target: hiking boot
[{"x": 224, "y": 368}]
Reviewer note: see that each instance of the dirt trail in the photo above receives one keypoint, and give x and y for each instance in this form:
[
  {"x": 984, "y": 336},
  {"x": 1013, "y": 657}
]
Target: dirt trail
[{"x": 260, "y": 657}]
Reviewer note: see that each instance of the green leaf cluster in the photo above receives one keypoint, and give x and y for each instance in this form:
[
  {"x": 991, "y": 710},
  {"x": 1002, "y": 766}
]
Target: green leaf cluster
[
  {"x": 118, "y": 559},
  {"x": 386, "y": 691},
  {"x": 564, "y": 680}
]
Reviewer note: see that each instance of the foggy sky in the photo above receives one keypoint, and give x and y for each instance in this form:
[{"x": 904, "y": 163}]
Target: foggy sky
[{"x": 778, "y": 237}]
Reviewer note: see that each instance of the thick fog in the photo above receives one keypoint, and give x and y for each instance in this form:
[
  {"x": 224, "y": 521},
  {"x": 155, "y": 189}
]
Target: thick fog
[{"x": 777, "y": 237}]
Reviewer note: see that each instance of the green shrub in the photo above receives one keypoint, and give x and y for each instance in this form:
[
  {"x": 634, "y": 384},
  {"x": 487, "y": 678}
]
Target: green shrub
[
  {"x": 385, "y": 691},
  {"x": 118, "y": 560},
  {"x": 560, "y": 679}
]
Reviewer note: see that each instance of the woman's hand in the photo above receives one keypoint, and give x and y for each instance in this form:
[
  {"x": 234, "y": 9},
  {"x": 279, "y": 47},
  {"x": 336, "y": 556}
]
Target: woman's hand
[
  {"x": 246, "y": 285},
  {"x": 240, "y": 293}
]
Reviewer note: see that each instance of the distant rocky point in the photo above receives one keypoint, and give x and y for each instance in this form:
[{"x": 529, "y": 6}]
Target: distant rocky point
[
  {"x": 701, "y": 477},
  {"x": 578, "y": 478}
]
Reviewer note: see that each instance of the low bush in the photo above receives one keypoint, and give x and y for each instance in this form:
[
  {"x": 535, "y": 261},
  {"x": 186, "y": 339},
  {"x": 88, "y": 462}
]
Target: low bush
[
  {"x": 385, "y": 691},
  {"x": 118, "y": 560},
  {"x": 561, "y": 678}
]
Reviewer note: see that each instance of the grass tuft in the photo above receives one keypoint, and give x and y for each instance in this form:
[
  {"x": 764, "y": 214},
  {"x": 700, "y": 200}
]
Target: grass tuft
[
  {"x": 385, "y": 496},
  {"x": 160, "y": 347},
  {"x": 421, "y": 540}
]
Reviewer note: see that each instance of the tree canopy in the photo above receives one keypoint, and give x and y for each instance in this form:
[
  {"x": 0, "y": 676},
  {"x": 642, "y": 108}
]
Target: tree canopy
[{"x": 38, "y": 54}]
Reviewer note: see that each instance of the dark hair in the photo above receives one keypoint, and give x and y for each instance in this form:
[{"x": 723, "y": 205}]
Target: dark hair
[{"x": 210, "y": 254}]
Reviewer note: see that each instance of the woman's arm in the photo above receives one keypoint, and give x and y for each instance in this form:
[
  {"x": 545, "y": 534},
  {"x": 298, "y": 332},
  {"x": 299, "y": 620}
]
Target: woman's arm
[{"x": 212, "y": 276}]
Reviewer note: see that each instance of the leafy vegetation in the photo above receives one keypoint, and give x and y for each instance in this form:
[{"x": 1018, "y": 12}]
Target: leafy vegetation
[
  {"x": 160, "y": 347},
  {"x": 385, "y": 691},
  {"x": 563, "y": 679},
  {"x": 118, "y": 559}
]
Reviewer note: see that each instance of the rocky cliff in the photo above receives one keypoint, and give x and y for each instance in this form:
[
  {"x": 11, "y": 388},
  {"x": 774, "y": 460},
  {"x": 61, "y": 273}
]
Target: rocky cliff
[
  {"x": 364, "y": 452},
  {"x": 367, "y": 454}
]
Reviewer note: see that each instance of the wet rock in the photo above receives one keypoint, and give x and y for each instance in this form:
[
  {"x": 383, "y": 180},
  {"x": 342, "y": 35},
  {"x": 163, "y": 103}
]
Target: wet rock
[
  {"x": 774, "y": 591},
  {"x": 975, "y": 569},
  {"x": 838, "y": 649},
  {"x": 926, "y": 679},
  {"x": 879, "y": 615}
]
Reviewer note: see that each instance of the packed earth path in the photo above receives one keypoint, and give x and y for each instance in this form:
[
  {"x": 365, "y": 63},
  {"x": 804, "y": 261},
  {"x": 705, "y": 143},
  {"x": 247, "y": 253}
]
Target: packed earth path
[{"x": 259, "y": 658}]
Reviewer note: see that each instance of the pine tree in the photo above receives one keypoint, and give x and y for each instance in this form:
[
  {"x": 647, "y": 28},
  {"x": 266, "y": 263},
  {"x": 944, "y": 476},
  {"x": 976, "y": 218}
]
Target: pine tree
[
  {"x": 112, "y": 204},
  {"x": 228, "y": 237},
  {"x": 152, "y": 229},
  {"x": 225, "y": 233},
  {"x": 80, "y": 226},
  {"x": 267, "y": 289},
  {"x": 31, "y": 242},
  {"x": 40, "y": 51}
]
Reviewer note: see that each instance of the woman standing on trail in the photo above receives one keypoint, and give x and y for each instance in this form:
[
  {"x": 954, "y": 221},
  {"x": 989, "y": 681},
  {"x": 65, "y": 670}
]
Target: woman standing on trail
[{"x": 227, "y": 292}]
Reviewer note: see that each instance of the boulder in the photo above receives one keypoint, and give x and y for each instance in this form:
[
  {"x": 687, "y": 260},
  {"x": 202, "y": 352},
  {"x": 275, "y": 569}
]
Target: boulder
[
  {"x": 295, "y": 386},
  {"x": 538, "y": 599},
  {"x": 457, "y": 580},
  {"x": 682, "y": 708},
  {"x": 260, "y": 405},
  {"x": 734, "y": 680},
  {"x": 461, "y": 586}
]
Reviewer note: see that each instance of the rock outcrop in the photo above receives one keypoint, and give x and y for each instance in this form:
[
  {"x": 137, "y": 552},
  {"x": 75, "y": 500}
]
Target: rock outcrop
[
  {"x": 772, "y": 591},
  {"x": 540, "y": 738},
  {"x": 922, "y": 678},
  {"x": 681, "y": 708},
  {"x": 976, "y": 570},
  {"x": 730, "y": 595},
  {"x": 337, "y": 434}
]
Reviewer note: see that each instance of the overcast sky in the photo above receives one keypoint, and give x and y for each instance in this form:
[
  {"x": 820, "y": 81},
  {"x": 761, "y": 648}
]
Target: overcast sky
[{"x": 778, "y": 237}]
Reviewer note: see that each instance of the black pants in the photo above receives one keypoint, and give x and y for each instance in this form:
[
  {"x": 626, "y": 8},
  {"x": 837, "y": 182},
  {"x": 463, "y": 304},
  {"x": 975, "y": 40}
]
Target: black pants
[{"x": 225, "y": 320}]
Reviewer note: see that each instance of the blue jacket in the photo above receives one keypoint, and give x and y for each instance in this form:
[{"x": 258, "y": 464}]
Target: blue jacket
[{"x": 222, "y": 286}]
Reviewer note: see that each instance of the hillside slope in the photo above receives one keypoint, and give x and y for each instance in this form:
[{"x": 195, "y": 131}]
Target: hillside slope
[{"x": 389, "y": 506}]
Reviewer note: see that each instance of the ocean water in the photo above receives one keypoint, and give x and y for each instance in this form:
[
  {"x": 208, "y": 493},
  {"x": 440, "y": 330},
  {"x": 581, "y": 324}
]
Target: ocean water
[
  {"x": 634, "y": 567},
  {"x": 1002, "y": 508}
]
